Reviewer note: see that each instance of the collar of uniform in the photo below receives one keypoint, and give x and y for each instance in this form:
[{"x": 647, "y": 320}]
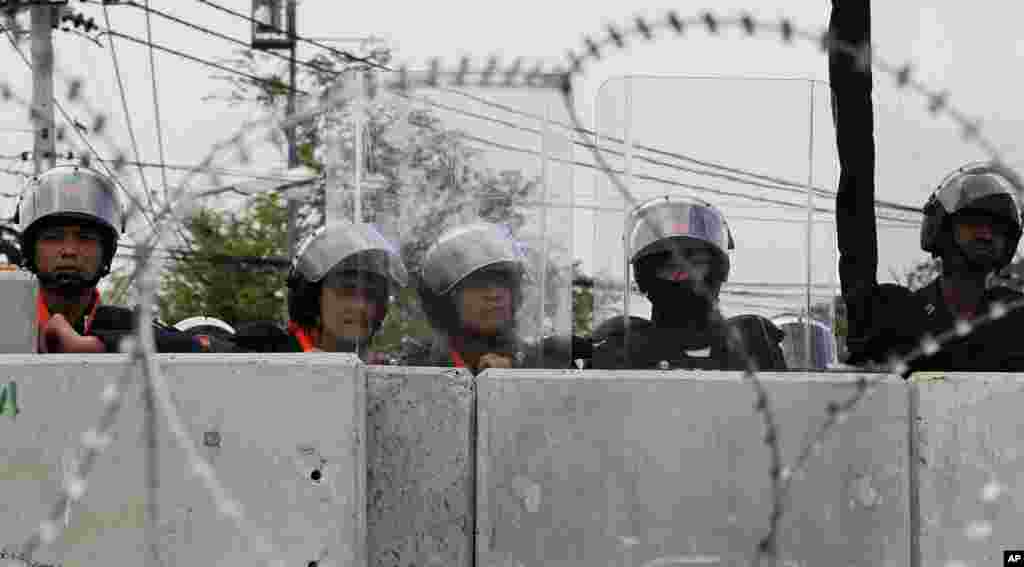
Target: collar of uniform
[{"x": 82, "y": 326}]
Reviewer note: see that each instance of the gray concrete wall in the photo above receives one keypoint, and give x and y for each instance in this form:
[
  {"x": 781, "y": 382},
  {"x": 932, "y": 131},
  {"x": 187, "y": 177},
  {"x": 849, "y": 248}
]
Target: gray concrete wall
[
  {"x": 570, "y": 468},
  {"x": 278, "y": 418},
  {"x": 970, "y": 435},
  {"x": 419, "y": 454},
  {"x": 614, "y": 468}
]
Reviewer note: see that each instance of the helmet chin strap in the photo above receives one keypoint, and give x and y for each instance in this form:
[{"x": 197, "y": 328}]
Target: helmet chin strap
[
  {"x": 68, "y": 284},
  {"x": 357, "y": 346}
]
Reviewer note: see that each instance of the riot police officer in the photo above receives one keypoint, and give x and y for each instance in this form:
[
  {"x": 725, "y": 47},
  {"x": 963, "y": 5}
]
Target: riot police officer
[
  {"x": 972, "y": 223},
  {"x": 472, "y": 286},
  {"x": 679, "y": 252},
  {"x": 339, "y": 292},
  {"x": 70, "y": 221}
]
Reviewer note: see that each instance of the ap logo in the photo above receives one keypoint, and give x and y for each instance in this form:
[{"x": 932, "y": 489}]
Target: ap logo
[{"x": 1013, "y": 557}]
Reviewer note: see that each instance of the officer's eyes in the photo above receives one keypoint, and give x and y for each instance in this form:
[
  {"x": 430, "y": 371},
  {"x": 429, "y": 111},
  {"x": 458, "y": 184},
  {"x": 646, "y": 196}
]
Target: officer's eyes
[
  {"x": 52, "y": 235},
  {"x": 89, "y": 236}
]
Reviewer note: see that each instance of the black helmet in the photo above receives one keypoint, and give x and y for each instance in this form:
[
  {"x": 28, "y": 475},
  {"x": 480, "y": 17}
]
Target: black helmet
[
  {"x": 461, "y": 252},
  {"x": 660, "y": 225},
  {"x": 985, "y": 187},
  {"x": 70, "y": 192},
  {"x": 341, "y": 247}
]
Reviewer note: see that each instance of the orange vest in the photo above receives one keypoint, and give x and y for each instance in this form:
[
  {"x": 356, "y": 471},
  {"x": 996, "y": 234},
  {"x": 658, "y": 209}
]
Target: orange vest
[
  {"x": 306, "y": 341},
  {"x": 43, "y": 312}
]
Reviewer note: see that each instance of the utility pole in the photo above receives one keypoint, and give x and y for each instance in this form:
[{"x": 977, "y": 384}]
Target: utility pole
[
  {"x": 293, "y": 145},
  {"x": 44, "y": 151}
]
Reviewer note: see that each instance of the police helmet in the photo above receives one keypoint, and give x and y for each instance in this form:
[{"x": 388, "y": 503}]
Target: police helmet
[
  {"x": 340, "y": 249},
  {"x": 664, "y": 224},
  {"x": 985, "y": 187},
  {"x": 461, "y": 252},
  {"x": 70, "y": 192},
  {"x": 823, "y": 342}
]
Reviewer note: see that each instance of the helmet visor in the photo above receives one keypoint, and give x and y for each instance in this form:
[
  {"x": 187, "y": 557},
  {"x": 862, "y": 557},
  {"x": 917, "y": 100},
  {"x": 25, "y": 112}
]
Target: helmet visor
[
  {"x": 349, "y": 247},
  {"x": 73, "y": 192},
  {"x": 660, "y": 225},
  {"x": 468, "y": 249},
  {"x": 962, "y": 190}
]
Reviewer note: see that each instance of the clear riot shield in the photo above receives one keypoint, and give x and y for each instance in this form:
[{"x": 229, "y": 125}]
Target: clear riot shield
[
  {"x": 754, "y": 149},
  {"x": 423, "y": 162}
]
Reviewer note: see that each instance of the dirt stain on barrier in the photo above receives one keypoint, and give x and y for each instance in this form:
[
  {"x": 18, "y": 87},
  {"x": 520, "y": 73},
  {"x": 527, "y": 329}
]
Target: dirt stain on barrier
[
  {"x": 88, "y": 525},
  {"x": 24, "y": 471}
]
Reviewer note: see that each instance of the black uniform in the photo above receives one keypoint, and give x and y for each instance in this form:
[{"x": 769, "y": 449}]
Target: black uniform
[
  {"x": 888, "y": 319},
  {"x": 650, "y": 347},
  {"x": 112, "y": 323},
  {"x": 264, "y": 336}
]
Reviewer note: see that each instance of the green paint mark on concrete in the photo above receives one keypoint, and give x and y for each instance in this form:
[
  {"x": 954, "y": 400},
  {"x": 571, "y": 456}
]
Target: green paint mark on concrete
[
  {"x": 88, "y": 525},
  {"x": 9, "y": 399}
]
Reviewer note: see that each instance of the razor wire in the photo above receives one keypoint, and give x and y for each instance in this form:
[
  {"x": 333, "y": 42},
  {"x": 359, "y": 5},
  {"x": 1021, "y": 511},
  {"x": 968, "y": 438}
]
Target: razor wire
[{"x": 179, "y": 206}]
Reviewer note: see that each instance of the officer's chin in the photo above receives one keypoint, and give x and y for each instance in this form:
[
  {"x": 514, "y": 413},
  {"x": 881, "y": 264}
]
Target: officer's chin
[
  {"x": 66, "y": 283},
  {"x": 354, "y": 332},
  {"x": 489, "y": 327}
]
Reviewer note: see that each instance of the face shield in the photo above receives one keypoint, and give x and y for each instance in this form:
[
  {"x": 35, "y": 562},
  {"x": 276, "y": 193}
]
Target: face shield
[
  {"x": 667, "y": 223},
  {"x": 72, "y": 191},
  {"x": 822, "y": 354},
  {"x": 970, "y": 184},
  {"x": 464, "y": 250},
  {"x": 348, "y": 247}
]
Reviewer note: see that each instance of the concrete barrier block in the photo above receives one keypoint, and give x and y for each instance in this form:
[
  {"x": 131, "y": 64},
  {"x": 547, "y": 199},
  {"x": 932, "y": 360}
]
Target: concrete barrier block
[
  {"x": 970, "y": 467},
  {"x": 419, "y": 424},
  {"x": 665, "y": 468},
  {"x": 264, "y": 423}
]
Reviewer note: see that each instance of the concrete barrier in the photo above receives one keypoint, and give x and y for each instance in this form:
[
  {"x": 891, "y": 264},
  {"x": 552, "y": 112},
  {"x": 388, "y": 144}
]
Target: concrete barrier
[
  {"x": 971, "y": 467},
  {"x": 419, "y": 452},
  {"x": 339, "y": 463},
  {"x": 665, "y": 468},
  {"x": 267, "y": 422}
]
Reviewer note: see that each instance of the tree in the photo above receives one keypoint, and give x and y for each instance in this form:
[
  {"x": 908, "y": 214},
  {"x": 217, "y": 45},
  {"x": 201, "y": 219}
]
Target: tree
[
  {"x": 212, "y": 278},
  {"x": 921, "y": 273},
  {"x": 420, "y": 177}
]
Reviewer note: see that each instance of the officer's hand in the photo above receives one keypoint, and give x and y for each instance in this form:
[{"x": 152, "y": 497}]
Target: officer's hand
[
  {"x": 491, "y": 360},
  {"x": 59, "y": 336}
]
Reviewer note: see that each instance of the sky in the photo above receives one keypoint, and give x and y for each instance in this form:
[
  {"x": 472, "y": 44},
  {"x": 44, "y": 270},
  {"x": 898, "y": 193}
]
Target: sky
[{"x": 715, "y": 98}]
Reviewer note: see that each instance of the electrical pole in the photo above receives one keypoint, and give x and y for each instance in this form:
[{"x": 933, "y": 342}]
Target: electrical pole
[
  {"x": 44, "y": 151},
  {"x": 293, "y": 149}
]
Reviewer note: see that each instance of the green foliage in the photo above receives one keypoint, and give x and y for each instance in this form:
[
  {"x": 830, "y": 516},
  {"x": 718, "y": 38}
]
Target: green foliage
[
  {"x": 209, "y": 280},
  {"x": 420, "y": 177},
  {"x": 922, "y": 273},
  {"x": 582, "y": 302}
]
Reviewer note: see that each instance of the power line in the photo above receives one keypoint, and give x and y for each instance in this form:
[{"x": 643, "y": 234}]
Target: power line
[
  {"x": 201, "y": 61},
  {"x": 664, "y": 180},
  {"x": 787, "y": 189},
  {"x": 85, "y": 140},
  {"x": 705, "y": 163},
  {"x": 205, "y": 169},
  {"x": 213, "y": 33},
  {"x": 654, "y": 150},
  {"x": 786, "y": 186},
  {"x": 127, "y": 112},
  {"x": 332, "y": 49},
  {"x": 156, "y": 99}
]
